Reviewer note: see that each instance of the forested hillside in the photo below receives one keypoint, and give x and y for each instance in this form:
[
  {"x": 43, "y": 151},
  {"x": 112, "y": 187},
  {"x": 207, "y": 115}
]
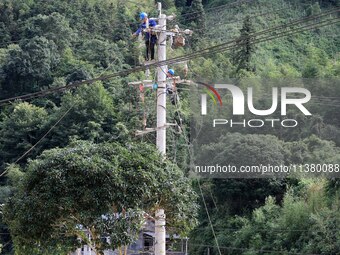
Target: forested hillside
[{"x": 45, "y": 45}]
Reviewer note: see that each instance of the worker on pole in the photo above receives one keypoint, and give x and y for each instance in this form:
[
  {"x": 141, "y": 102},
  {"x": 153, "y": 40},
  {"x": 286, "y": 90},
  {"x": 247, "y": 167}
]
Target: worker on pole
[
  {"x": 150, "y": 37},
  {"x": 171, "y": 87}
]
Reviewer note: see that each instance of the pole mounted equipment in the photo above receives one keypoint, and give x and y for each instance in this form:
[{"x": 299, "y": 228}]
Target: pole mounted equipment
[{"x": 160, "y": 85}]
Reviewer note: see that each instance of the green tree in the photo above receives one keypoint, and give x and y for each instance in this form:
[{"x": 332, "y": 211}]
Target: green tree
[
  {"x": 29, "y": 67},
  {"x": 95, "y": 188},
  {"x": 238, "y": 196},
  {"x": 123, "y": 31},
  {"x": 4, "y": 33},
  {"x": 92, "y": 116},
  {"x": 298, "y": 225},
  {"x": 198, "y": 14},
  {"x": 19, "y": 130},
  {"x": 101, "y": 53},
  {"x": 314, "y": 9},
  {"x": 197, "y": 21},
  {"x": 53, "y": 27},
  {"x": 13, "y": 176},
  {"x": 180, "y": 3},
  {"x": 242, "y": 58}
]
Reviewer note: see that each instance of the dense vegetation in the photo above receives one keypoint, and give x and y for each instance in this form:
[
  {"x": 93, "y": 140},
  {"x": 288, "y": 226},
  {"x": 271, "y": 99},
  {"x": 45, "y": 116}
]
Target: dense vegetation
[{"x": 47, "y": 44}]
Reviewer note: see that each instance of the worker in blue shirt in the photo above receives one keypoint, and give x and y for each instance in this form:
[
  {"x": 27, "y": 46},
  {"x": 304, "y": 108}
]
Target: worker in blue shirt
[
  {"x": 149, "y": 36},
  {"x": 171, "y": 87}
]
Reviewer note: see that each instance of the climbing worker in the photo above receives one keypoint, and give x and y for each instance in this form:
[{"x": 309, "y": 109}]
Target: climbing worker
[
  {"x": 171, "y": 87},
  {"x": 171, "y": 83},
  {"x": 170, "y": 73},
  {"x": 149, "y": 36}
]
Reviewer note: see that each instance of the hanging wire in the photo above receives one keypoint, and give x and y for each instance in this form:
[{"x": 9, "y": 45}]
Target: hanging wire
[
  {"x": 204, "y": 52},
  {"x": 207, "y": 211},
  {"x": 41, "y": 139},
  {"x": 54, "y": 125}
]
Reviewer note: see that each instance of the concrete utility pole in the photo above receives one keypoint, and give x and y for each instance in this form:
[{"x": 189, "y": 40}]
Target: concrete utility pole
[
  {"x": 160, "y": 235},
  {"x": 161, "y": 81}
]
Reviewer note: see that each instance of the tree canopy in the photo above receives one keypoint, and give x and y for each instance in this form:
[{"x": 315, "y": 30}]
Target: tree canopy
[{"x": 104, "y": 189}]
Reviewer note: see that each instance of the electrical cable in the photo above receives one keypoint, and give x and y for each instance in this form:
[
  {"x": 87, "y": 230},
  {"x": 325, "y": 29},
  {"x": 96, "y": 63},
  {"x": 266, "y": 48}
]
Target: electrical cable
[
  {"x": 211, "y": 225},
  {"x": 308, "y": 26},
  {"x": 144, "y": 5},
  {"x": 275, "y": 29},
  {"x": 218, "y": 247},
  {"x": 50, "y": 130},
  {"x": 203, "y": 52},
  {"x": 190, "y": 13},
  {"x": 41, "y": 139},
  {"x": 220, "y": 46},
  {"x": 223, "y": 47}
]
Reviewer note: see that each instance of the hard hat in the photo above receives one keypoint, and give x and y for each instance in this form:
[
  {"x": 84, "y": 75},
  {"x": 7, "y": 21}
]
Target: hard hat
[
  {"x": 171, "y": 71},
  {"x": 142, "y": 15}
]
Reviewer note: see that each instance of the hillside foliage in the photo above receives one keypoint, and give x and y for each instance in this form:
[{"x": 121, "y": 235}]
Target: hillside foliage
[{"x": 91, "y": 163}]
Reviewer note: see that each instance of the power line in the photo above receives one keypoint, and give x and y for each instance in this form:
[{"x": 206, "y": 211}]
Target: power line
[
  {"x": 276, "y": 28},
  {"x": 136, "y": 69},
  {"x": 243, "y": 249},
  {"x": 190, "y": 13},
  {"x": 207, "y": 211},
  {"x": 170, "y": 61},
  {"x": 208, "y": 51},
  {"x": 225, "y": 46},
  {"x": 329, "y": 11},
  {"x": 41, "y": 139},
  {"x": 49, "y": 131},
  {"x": 236, "y": 43},
  {"x": 307, "y": 18},
  {"x": 272, "y": 29}
]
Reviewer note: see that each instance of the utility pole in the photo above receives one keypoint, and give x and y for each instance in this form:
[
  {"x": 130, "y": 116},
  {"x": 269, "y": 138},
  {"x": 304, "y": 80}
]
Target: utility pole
[
  {"x": 160, "y": 235},
  {"x": 161, "y": 81}
]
